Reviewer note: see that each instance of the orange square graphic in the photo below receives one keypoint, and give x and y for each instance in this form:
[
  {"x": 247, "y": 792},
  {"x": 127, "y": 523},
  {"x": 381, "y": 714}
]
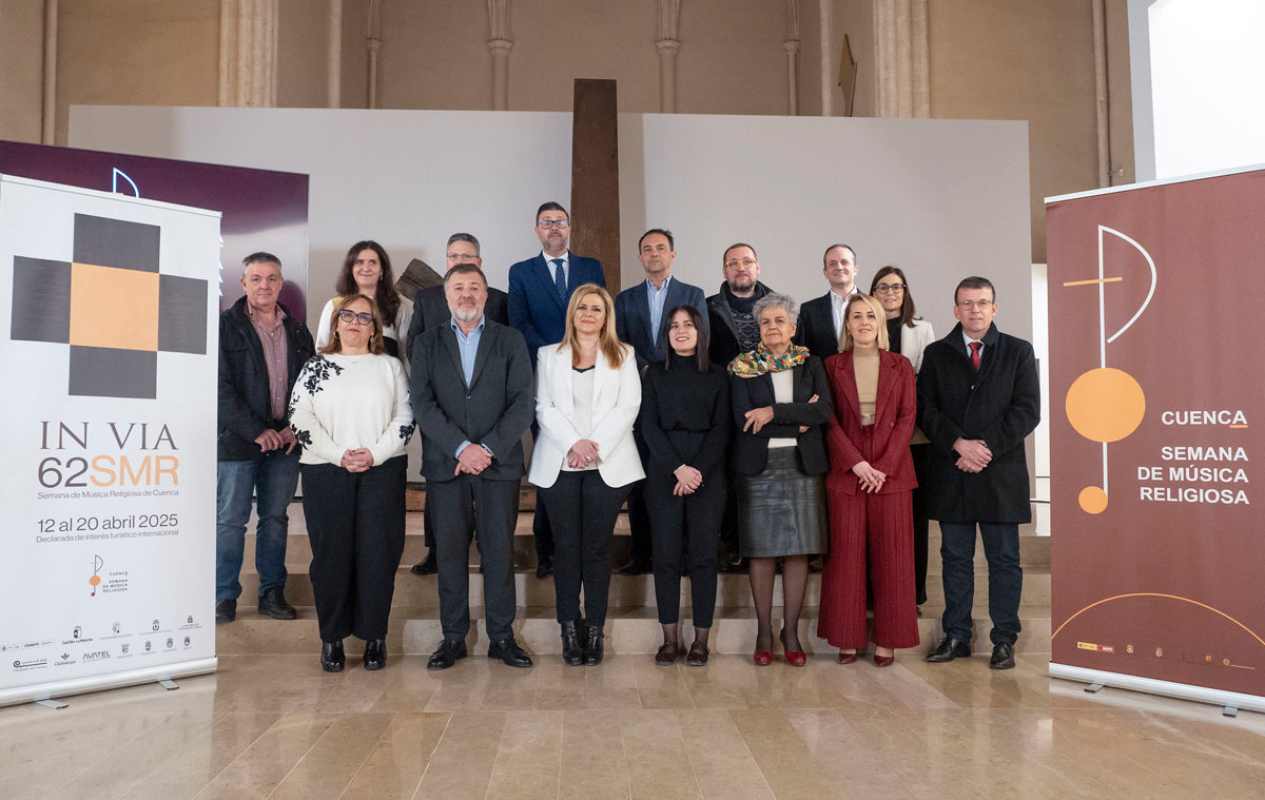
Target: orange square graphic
[{"x": 111, "y": 307}]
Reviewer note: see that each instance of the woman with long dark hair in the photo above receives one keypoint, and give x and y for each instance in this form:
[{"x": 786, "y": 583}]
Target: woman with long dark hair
[
  {"x": 909, "y": 334},
  {"x": 685, "y": 420},
  {"x": 367, "y": 270}
]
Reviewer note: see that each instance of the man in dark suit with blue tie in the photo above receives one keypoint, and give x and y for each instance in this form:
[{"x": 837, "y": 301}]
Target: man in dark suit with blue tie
[
  {"x": 540, "y": 289},
  {"x": 642, "y": 320}
]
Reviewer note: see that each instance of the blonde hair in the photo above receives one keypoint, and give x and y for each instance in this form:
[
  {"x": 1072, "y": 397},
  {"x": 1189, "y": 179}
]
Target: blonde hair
[
  {"x": 375, "y": 341},
  {"x": 607, "y": 340},
  {"x": 881, "y": 315}
]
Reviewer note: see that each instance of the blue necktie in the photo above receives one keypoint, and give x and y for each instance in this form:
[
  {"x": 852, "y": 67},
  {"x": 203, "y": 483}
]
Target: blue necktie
[{"x": 559, "y": 277}]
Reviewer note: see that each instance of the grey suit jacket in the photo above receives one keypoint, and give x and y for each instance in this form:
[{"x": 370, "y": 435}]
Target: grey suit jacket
[{"x": 494, "y": 409}]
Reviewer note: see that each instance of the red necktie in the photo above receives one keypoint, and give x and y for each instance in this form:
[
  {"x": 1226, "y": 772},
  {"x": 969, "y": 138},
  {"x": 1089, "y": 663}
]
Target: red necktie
[{"x": 975, "y": 357}]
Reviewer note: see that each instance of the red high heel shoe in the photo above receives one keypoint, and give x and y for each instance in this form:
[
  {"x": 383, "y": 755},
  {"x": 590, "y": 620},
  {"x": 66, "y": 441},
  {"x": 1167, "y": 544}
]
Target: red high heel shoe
[
  {"x": 847, "y": 658},
  {"x": 762, "y": 658},
  {"x": 796, "y": 658},
  {"x": 884, "y": 661}
]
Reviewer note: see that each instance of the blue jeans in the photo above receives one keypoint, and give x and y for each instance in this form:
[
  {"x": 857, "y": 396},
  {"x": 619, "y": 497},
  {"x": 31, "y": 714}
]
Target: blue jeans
[
  {"x": 273, "y": 480},
  {"x": 1005, "y": 578}
]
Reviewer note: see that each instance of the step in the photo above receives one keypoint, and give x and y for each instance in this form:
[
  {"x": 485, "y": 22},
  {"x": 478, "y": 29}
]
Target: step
[
  {"x": 416, "y": 631},
  {"x": 1034, "y": 551},
  {"x": 626, "y": 591}
]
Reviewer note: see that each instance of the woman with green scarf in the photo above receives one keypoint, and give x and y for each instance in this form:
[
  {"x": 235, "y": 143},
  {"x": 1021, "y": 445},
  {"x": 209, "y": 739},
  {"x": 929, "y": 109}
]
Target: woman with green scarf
[{"x": 782, "y": 404}]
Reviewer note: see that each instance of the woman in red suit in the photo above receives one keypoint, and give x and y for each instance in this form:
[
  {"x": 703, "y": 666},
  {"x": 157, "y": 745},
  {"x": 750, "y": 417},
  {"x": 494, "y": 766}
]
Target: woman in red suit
[{"x": 869, "y": 491}]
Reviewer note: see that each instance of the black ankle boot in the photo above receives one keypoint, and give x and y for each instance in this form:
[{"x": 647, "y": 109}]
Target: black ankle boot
[
  {"x": 593, "y": 645},
  {"x": 572, "y": 652},
  {"x": 332, "y": 658},
  {"x": 375, "y": 654}
]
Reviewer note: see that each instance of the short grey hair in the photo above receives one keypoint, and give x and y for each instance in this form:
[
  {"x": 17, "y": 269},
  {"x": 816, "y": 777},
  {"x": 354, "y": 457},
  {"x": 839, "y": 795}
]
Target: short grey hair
[{"x": 775, "y": 300}]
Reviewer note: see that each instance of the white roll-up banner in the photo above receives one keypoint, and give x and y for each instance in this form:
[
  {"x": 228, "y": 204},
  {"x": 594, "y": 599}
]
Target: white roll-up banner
[{"x": 108, "y": 340}]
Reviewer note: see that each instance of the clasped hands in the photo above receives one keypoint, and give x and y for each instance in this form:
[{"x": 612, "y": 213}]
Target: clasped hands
[
  {"x": 757, "y": 418},
  {"x": 358, "y": 460},
  {"x": 973, "y": 455},
  {"x": 472, "y": 460},
  {"x": 582, "y": 455},
  {"x": 275, "y": 440},
  {"x": 871, "y": 479},
  {"x": 688, "y": 479}
]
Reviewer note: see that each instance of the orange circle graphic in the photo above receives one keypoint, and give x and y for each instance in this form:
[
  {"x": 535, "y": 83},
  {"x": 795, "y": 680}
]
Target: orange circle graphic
[
  {"x": 1105, "y": 405},
  {"x": 1092, "y": 500}
]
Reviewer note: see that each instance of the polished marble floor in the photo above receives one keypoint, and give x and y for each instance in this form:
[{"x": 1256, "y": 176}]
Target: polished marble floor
[{"x": 275, "y": 726}]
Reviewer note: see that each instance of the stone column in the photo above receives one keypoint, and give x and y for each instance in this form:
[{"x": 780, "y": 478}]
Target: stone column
[
  {"x": 791, "y": 45},
  {"x": 826, "y": 42},
  {"x": 499, "y": 46},
  {"x": 334, "y": 63},
  {"x": 248, "y": 52},
  {"x": 668, "y": 44},
  {"x": 49, "y": 117},
  {"x": 902, "y": 58},
  {"x": 373, "y": 43}
]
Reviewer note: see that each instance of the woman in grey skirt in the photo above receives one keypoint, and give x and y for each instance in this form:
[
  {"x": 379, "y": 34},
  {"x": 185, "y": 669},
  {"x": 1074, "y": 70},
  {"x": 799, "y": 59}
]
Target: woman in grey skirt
[{"x": 782, "y": 404}]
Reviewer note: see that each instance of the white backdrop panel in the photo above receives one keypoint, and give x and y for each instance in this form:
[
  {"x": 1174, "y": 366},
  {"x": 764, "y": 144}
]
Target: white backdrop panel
[{"x": 941, "y": 198}]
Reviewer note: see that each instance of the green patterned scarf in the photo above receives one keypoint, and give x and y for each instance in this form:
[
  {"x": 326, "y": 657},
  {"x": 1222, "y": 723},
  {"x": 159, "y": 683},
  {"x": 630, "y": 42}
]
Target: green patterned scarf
[{"x": 760, "y": 361}]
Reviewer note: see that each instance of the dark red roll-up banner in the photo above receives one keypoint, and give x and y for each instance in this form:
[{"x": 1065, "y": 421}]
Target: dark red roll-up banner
[{"x": 1157, "y": 425}]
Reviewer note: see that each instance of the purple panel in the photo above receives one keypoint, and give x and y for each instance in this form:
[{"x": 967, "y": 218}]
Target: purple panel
[{"x": 262, "y": 209}]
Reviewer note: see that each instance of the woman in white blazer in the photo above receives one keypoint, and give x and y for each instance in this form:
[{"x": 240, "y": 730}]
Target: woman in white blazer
[
  {"x": 909, "y": 336},
  {"x": 588, "y": 393}
]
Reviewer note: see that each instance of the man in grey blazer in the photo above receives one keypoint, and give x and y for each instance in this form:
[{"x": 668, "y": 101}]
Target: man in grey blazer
[
  {"x": 473, "y": 399},
  {"x": 641, "y": 320}
]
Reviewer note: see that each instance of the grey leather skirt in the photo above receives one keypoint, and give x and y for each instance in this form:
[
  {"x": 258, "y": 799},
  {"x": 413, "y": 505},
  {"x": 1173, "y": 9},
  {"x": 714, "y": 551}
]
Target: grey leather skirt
[{"x": 782, "y": 511}]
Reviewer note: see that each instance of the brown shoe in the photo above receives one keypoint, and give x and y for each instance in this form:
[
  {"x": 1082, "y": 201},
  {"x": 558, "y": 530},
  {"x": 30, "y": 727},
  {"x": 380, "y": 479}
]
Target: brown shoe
[
  {"x": 668, "y": 654},
  {"x": 698, "y": 655}
]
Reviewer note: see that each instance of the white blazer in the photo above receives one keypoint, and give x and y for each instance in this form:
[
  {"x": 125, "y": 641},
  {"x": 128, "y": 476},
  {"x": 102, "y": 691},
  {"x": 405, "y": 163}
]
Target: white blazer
[
  {"x": 914, "y": 340},
  {"x": 616, "y": 401}
]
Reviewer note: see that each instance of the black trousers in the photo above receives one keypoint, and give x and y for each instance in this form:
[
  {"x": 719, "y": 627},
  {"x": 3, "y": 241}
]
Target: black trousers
[
  {"x": 921, "y": 454},
  {"x": 582, "y": 509},
  {"x": 686, "y": 533},
  {"x": 638, "y": 513},
  {"x": 455, "y": 503},
  {"x": 541, "y": 530},
  {"x": 428, "y": 528},
  {"x": 1005, "y": 578},
  {"x": 356, "y": 524}
]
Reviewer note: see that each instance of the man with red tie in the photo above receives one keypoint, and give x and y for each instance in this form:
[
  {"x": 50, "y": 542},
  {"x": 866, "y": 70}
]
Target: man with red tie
[{"x": 978, "y": 399}]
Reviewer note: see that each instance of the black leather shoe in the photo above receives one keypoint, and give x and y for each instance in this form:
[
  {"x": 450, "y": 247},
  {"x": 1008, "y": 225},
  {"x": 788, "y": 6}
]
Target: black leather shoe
[
  {"x": 427, "y": 566},
  {"x": 508, "y": 651},
  {"x": 375, "y": 654},
  {"x": 1003, "y": 656},
  {"x": 449, "y": 652},
  {"x": 544, "y": 567},
  {"x": 272, "y": 603},
  {"x": 572, "y": 652},
  {"x": 634, "y": 566},
  {"x": 948, "y": 650},
  {"x": 225, "y": 611},
  {"x": 332, "y": 657},
  {"x": 593, "y": 645}
]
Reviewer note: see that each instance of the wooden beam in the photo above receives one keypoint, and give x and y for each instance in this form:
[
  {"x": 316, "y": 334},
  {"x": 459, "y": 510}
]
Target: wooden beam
[{"x": 595, "y": 176}]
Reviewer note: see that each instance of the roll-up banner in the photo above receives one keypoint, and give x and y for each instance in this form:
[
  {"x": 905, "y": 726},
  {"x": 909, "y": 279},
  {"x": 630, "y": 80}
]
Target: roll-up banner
[
  {"x": 1157, "y": 294},
  {"x": 108, "y": 337}
]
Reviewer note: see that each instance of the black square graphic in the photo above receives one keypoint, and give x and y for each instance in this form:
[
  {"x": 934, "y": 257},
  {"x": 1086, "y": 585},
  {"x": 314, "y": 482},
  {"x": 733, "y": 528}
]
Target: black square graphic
[
  {"x": 110, "y": 372},
  {"x": 116, "y": 243},
  {"x": 41, "y": 300},
  {"x": 181, "y": 314}
]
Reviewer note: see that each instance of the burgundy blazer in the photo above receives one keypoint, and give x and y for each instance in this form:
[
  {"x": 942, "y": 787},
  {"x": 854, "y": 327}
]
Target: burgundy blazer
[{"x": 895, "y": 411}]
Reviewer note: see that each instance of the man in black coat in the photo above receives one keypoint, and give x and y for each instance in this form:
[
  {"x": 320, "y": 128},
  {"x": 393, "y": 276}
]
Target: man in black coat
[
  {"x": 821, "y": 319},
  {"x": 734, "y": 330},
  {"x": 262, "y": 349},
  {"x": 978, "y": 398},
  {"x": 430, "y": 310},
  {"x": 473, "y": 399}
]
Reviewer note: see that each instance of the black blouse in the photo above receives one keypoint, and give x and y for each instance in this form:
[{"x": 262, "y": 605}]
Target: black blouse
[
  {"x": 893, "y": 334},
  {"x": 685, "y": 416}
]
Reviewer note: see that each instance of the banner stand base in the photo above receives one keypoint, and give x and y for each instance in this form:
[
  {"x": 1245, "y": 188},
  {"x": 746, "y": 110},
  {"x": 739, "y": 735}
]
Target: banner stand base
[
  {"x": 1229, "y": 701},
  {"x": 169, "y": 684},
  {"x": 55, "y": 705},
  {"x": 161, "y": 674},
  {"x": 1094, "y": 688}
]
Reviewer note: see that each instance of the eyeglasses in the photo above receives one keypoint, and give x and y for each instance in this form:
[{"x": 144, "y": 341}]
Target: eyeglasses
[
  {"x": 967, "y": 305},
  {"x": 734, "y": 264},
  {"x": 888, "y": 288},
  {"x": 348, "y": 316},
  {"x": 553, "y": 223}
]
